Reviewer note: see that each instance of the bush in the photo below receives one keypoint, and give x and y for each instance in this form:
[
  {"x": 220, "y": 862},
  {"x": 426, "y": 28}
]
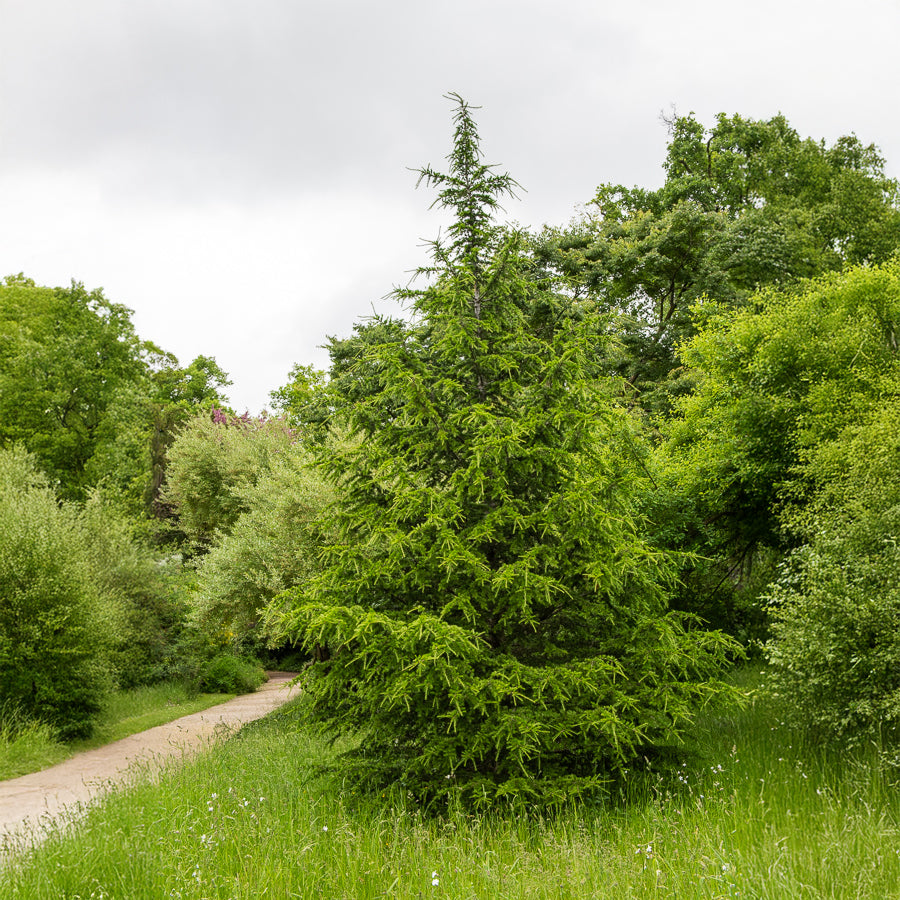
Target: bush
[
  {"x": 273, "y": 546},
  {"x": 230, "y": 674},
  {"x": 54, "y": 627},
  {"x": 212, "y": 467},
  {"x": 836, "y": 646},
  {"x": 835, "y": 650},
  {"x": 783, "y": 383},
  {"x": 144, "y": 592}
]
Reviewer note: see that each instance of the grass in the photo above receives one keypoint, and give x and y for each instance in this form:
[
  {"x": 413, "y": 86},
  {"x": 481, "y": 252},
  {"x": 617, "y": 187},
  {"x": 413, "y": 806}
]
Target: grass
[
  {"x": 29, "y": 746},
  {"x": 754, "y": 811},
  {"x": 26, "y": 746}
]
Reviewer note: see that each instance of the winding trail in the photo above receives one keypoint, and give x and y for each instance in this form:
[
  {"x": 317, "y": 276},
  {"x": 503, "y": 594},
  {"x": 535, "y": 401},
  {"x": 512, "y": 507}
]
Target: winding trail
[{"x": 31, "y": 803}]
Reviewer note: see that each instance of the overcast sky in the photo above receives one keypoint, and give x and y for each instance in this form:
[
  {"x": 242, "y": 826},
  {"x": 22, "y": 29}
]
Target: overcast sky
[{"x": 238, "y": 173}]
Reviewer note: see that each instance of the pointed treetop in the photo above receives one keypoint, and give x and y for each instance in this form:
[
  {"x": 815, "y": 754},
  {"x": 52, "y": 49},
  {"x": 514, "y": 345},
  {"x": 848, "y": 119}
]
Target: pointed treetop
[{"x": 471, "y": 189}]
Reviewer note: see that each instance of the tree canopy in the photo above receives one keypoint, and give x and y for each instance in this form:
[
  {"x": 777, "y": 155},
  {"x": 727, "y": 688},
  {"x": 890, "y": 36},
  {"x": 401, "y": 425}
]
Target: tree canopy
[
  {"x": 746, "y": 204},
  {"x": 66, "y": 357},
  {"x": 83, "y": 393}
]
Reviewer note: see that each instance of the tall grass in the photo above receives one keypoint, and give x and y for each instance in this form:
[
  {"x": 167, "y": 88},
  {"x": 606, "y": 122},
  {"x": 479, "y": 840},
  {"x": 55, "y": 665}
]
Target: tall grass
[
  {"x": 128, "y": 712},
  {"x": 27, "y": 746},
  {"x": 752, "y": 810}
]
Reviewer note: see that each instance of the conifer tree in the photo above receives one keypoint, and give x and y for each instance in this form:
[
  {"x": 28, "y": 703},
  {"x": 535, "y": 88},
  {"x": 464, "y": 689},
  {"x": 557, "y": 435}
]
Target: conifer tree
[{"x": 491, "y": 619}]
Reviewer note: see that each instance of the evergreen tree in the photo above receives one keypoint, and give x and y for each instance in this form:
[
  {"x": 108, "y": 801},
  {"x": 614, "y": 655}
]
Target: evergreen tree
[{"x": 490, "y": 617}]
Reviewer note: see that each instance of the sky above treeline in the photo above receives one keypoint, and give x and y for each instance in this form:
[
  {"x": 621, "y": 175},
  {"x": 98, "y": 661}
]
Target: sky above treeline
[{"x": 239, "y": 173}]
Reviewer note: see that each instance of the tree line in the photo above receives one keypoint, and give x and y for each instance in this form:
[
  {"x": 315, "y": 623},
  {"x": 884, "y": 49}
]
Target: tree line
[{"x": 518, "y": 536}]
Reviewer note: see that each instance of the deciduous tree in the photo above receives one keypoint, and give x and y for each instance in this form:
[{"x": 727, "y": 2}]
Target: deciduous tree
[{"x": 746, "y": 204}]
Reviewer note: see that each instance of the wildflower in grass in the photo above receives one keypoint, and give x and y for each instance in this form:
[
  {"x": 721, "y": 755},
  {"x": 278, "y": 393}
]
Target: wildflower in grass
[
  {"x": 435, "y": 881},
  {"x": 324, "y": 828}
]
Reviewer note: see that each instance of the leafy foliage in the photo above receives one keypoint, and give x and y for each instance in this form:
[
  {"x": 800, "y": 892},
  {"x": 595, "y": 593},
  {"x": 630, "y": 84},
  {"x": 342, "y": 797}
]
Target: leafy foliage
[
  {"x": 835, "y": 650},
  {"x": 780, "y": 379},
  {"x": 95, "y": 405},
  {"x": 746, "y": 204},
  {"x": 790, "y": 442},
  {"x": 66, "y": 357},
  {"x": 178, "y": 394},
  {"x": 226, "y": 673},
  {"x": 302, "y": 402},
  {"x": 272, "y": 546},
  {"x": 55, "y": 633},
  {"x": 490, "y": 616},
  {"x": 213, "y": 465},
  {"x": 145, "y": 599}
]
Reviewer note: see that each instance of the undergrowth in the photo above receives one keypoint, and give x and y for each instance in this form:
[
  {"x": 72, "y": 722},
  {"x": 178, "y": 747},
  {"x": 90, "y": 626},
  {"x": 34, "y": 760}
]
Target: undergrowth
[{"x": 749, "y": 809}]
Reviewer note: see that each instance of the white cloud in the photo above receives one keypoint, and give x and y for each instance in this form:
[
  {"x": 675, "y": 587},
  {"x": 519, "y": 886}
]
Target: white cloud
[{"x": 237, "y": 173}]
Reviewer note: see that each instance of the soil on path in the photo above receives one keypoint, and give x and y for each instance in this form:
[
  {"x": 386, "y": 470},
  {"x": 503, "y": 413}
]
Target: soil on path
[{"x": 31, "y": 803}]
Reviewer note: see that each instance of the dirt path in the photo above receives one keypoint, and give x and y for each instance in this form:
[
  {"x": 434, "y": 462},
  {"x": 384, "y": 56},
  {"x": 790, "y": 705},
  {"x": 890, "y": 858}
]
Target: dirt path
[{"x": 31, "y": 802}]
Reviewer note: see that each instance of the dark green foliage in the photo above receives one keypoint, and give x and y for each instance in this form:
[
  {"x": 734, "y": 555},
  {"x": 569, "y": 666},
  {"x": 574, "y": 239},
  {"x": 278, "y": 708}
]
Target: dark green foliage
[
  {"x": 490, "y": 616},
  {"x": 226, "y": 673},
  {"x": 55, "y": 631},
  {"x": 745, "y": 205}
]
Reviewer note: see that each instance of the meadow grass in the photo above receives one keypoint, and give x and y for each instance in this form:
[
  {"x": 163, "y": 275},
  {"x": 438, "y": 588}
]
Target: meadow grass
[
  {"x": 27, "y": 746},
  {"x": 751, "y": 811}
]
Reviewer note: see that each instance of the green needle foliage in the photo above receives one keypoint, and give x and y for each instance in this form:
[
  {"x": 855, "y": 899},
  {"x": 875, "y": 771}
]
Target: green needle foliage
[{"x": 490, "y": 617}]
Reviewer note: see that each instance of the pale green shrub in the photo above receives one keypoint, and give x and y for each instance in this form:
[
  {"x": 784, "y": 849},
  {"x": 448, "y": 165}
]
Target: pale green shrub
[
  {"x": 213, "y": 465},
  {"x": 273, "y": 546}
]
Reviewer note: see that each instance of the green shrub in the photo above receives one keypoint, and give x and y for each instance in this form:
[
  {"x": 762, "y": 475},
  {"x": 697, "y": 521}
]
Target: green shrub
[
  {"x": 783, "y": 383},
  {"x": 230, "y": 674},
  {"x": 55, "y": 630},
  {"x": 146, "y": 593},
  {"x": 213, "y": 465},
  {"x": 835, "y": 650},
  {"x": 273, "y": 546}
]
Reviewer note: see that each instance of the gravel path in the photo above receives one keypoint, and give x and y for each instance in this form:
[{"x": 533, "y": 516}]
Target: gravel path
[{"x": 32, "y": 802}]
